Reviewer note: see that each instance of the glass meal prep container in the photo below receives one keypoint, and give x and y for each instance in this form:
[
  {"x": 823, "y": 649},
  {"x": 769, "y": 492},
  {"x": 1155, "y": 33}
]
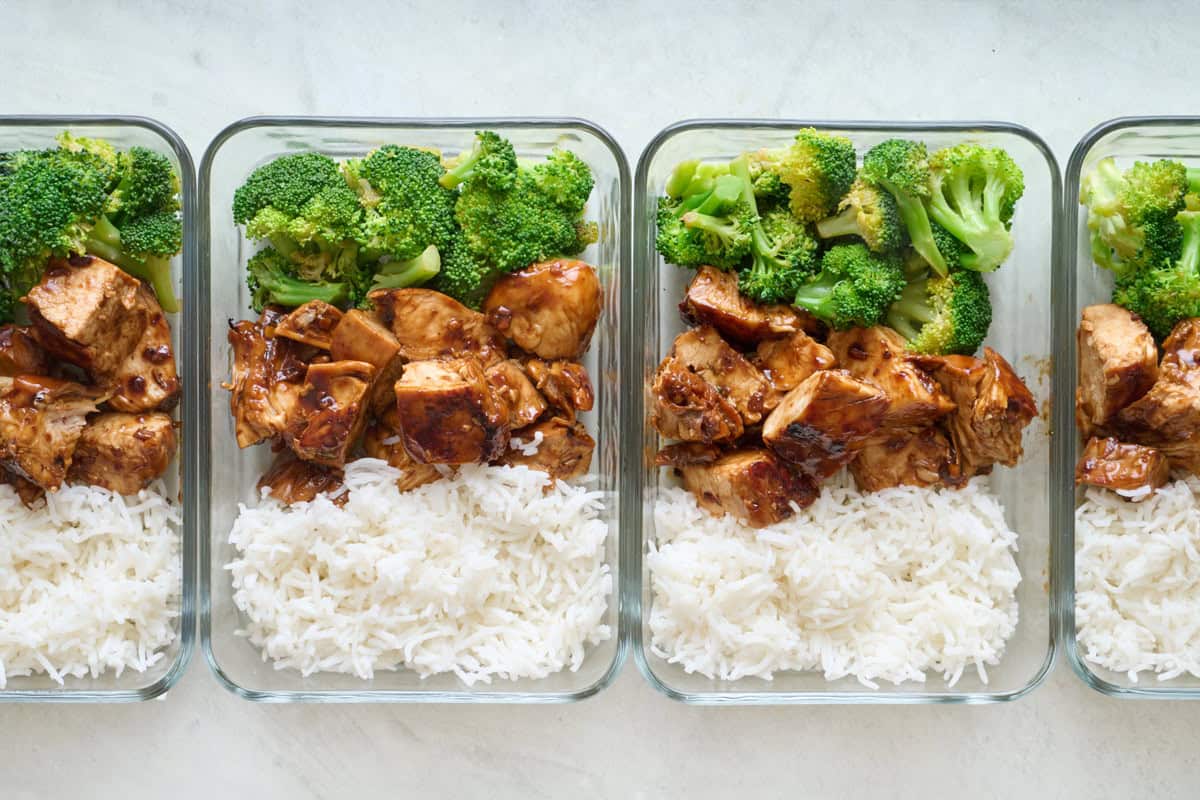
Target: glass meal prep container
[
  {"x": 230, "y": 474},
  {"x": 1127, "y": 139},
  {"x": 1024, "y": 294},
  {"x": 38, "y": 132}
]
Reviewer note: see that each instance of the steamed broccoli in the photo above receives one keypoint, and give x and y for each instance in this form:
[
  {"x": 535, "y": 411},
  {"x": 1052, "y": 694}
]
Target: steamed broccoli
[
  {"x": 406, "y": 208},
  {"x": 694, "y": 178},
  {"x": 854, "y": 288},
  {"x": 901, "y": 167},
  {"x": 790, "y": 258},
  {"x": 1165, "y": 294},
  {"x": 972, "y": 193},
  {"x": 817, "y": 168},
  {"x": 273, "y": 280},
  {"x": 492, "y": 160},
  {"x": 943, "y": 315},
  {"x": 461, "y": 275},
  {"x": 398, "y": 274},
  {"x": 513, "y": 215},
  {"x": 1131, "y": 215},
  {"x": 869, "y": 213},
  {"x": 143, "y": 247}
]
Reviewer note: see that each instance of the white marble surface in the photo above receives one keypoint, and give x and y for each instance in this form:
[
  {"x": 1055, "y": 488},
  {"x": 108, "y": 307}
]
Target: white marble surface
[{"x": 1058, "y": 67}]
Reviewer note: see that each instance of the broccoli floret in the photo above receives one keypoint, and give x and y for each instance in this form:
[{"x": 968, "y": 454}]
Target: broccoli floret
[
  {"x": 950, "y": 248},
  {"x": 143, "y": 247},
  {"x": 869, "y": 213},
  {"x": 272, "y": 279},
  {"x": 769, "y": 188},
  {"x": 147, "y": 184},
  {"x": 854, "y": 288},
  {"x": 776, "y": 275},
  {"x": 818, "y": 169},
  {"x": 1131, "y": 215},
  {"x": 303, "y": 206},
  {"x": 946, "y": 315},
  {"x": 711, "y": 227},
  {"x": 972, "y": 193},
  {"x": 406, "y": 208},
  {"x": 901, "y": 167},
  {"x": 492, "y": 160},
  {"x": 462, "y": 276},
  {"x": 1163, "y": 296},
  {"x": 694, "y": 178},
  {"x": 105, "y": 157},
  {"x": 512, "y": 224}
]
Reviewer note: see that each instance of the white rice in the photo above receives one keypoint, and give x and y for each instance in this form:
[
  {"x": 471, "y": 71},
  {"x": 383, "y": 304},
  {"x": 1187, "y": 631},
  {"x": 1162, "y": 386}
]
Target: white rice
[
  {"x": 1137, "y": 581},
  {"x": 89, "y": 582},
  {"x": 883, "y": 586},
  {"x": 481, "y": 574}
]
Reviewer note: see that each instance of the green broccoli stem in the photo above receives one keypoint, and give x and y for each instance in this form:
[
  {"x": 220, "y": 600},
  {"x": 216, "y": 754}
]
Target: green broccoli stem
[
  {"x": 293, "y": 292},
  {"x": 725, "y": 229},
  {"x": 916, "y": 220},
  {"x": 413, "y": 272},
  {"x": 463, "y": 168},
  {"x": 816, "y": 295},
  {"x": 842, "y": 224},
  {"x": 912, "y": 307},
  {"x": 979, "y": 229},
  {"x": 1193, "y": 179},
  {"x": 761, "y": 243},
  {"x": 1189, "y": 259},
  {"x": 104, "y": 241},
  {"x": 681, "y": 178}
]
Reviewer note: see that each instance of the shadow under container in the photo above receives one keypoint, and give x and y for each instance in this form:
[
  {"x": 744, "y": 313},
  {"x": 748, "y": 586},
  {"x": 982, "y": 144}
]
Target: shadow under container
[
  {"x": 36, "y": 132},
  {"x": 231, "y": 474},
  {"x": 1127, "y": 139},
  {"x": 1025, "y": 299}
]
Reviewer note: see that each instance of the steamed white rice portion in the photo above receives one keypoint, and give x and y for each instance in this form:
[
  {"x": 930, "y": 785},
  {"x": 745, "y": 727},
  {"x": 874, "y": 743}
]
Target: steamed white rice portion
[
  {"x": 89, "y": 582},
  {"x": 1137, "y": 581},
  {"x": 883, "y": 586},
  {"x": 480, "y": 574}
]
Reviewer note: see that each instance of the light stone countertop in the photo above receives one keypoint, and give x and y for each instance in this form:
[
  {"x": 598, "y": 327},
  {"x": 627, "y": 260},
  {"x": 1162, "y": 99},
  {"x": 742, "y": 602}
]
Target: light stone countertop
[{"x": 1057, "y": 67}]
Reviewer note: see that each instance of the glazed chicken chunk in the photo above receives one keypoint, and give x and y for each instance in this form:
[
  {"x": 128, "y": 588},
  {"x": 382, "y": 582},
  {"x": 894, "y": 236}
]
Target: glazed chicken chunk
[
  {"x": 20, "y": 354},
  {"x": 331, "y": 411},
  {"x": 124, "y": 452},
  {"x": 449, "y": 414},
  {"x": 383, "y": 440},
  {"x": 549, "y": 309},
  {"x": 563, "y": 449},
  {"x": 312, "y": 324},
  {"x": 266, "y": 381},
  {"x": 923, "y": 458},
  {"x": 1118, "y": 363},
  {"x": 690, "y": 408},
  {"x": 822, "y": 424},
  {"x": 1131, "y": 469},
  {"x": 787, "y": 362},
  {"x": 713, "y": 299},
  {"x": 703, "y": 352},
  {"x": 147, "y": 380},
  {"x": 564, "y": 384},
  {"x": 362, "y": 336},
  {"x": 750, "y": 484},
  {"x": 429, "y": 325},
  {"x": 41, "y": 420},
  {"x": 993, "y": 408},
  {"x": 525, "y": 403},
  {"x": 88, "y": 312},
  {"x": 877, "y": 355},
  {"x": 290, "y": 480}
]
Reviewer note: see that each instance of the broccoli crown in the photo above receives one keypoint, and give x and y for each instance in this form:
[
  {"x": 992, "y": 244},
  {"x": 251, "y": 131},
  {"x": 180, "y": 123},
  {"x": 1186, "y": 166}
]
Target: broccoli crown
[
  {"x": 725, "y": 240},
  {"x": 769, "y": 187},
  {"x": 298, "y": 200},
  {"x": 1165, "y": 295},
  {"x": 147, "y": 184},
  {"x": 492, "y": 160},
  {"x": 512, "y": 226},
  {"x": 946, "y": 315},
  {"x": 406, "y": 208},
  {"x": 869, "y": 213},
  {"x": 106, "y": 157},
  {"x": 854, "y": 288},
  {"x": 973, "y": 191},
  {"x": 818, "y": 169},
  {"x": 273, "y": 280},
  {"x": 948, "y": 247},
  {"x": 462, "y": 276},
  {"x": 159, "y": 234},
  {"x": 901, "y": 167},
  {"x": 1131, "y": 215},
  {"x": 776, "y": 274}
]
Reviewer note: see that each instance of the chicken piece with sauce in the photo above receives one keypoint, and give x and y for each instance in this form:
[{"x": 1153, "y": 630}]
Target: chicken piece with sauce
[
  {"x": 124, "y": 452},
  {"x": 563, "y": 451},
  {"x": 751, "y": 484},
  {"x": 787, "y": 362},
  {"x": 384, "y": 440},
  {"x": 877, "y": 355},
  {"x": 147, "y": 380},
  {"x": 565, "y": 385},
  {"x": 924, "y": 458},
  {"x": 525, "y": 403},
  {"x": 703, "y": 352},
  {"x": 993, "y": 408},
  {"x": 331, "y": 411},
  {"x": 548, "y": 309},
  {"x": 1118, "y": 363},
  {"x": 429, "y": 325},
  {"x": 713, "y": 299},
  {"x": 20, "y": 354},
  {"x": 688, "y": 407},
  {"x": 449, "y": 413},
  {"x": 41, "y": 420},
  {"x": 312, "y": 324},
  {"x": 362, "y": 336},
  {"x": 1132, "y": 470},
  {"x": 292, "y": 480},
  {"x": 266, "y": 382},
  {"x": 822, "y": 424}
]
